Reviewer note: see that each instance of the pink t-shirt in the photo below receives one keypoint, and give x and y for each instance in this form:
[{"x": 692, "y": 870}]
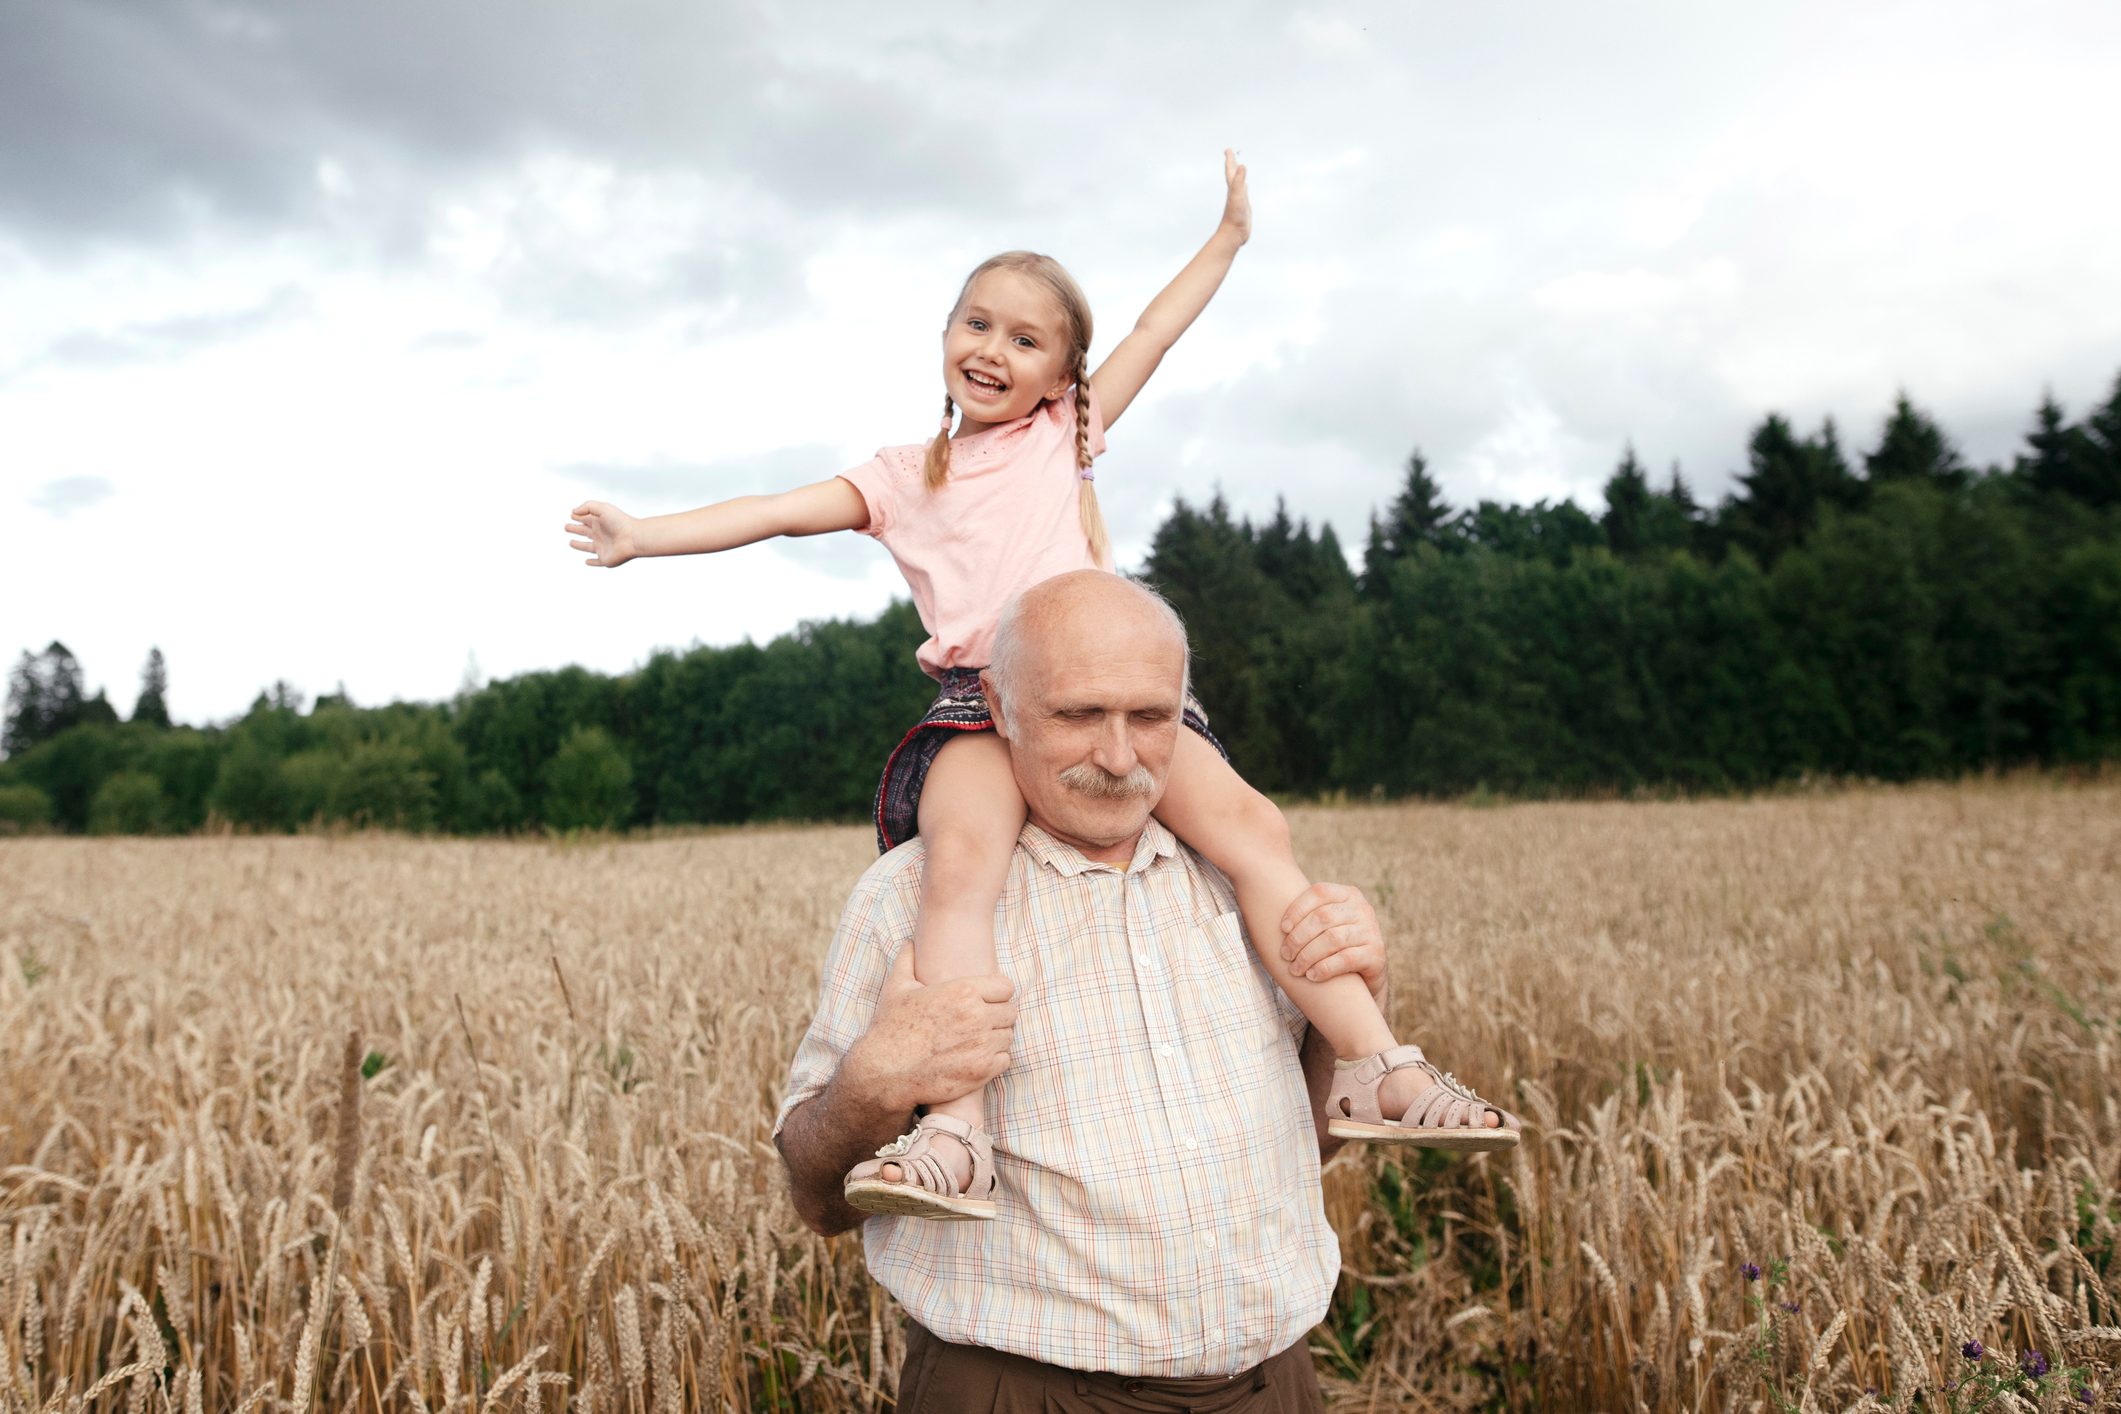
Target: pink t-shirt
[{"x": 1008, "y": 517}]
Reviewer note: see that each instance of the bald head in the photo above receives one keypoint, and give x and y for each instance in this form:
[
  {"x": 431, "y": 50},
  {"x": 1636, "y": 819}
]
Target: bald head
[
  {"x": 1088, "y": 686},
  {"x": 1040, "y": 622}
]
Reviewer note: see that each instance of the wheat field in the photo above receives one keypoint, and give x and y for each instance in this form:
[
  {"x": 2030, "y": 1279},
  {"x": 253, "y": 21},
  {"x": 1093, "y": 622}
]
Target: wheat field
[{"x": 1864, "y": 1040}]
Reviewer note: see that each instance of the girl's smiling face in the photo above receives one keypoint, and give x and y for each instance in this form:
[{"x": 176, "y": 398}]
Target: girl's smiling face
[{"x": 1006, "y": 350}]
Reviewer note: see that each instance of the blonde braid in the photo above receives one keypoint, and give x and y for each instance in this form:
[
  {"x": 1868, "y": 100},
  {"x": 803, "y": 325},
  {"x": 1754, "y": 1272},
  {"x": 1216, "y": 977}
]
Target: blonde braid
[
  {"x": 936, "y": 469},
  {"x": 1093, "y": 518}
]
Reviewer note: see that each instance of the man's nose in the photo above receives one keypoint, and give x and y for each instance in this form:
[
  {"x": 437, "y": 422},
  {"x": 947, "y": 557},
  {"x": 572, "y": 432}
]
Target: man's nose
[{"x": 1115, "y": 745}]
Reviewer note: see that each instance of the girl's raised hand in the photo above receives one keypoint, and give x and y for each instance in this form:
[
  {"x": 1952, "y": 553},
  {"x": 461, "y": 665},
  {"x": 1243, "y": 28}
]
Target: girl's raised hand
[
  {"x": 608, "y": 531},
  {"x": 1237, "y": 207}
]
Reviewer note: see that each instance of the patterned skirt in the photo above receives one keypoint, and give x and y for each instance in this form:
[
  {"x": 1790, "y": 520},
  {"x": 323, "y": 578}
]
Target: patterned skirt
[{"x": 959, "y": 706}]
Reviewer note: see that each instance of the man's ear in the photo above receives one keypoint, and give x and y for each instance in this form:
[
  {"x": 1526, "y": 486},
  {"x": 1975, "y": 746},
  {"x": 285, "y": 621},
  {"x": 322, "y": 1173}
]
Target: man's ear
[{"x": 994, "y": 705}]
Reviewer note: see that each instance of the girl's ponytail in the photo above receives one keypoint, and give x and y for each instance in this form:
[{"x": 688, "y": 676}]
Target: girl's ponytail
[
  {"x": 936, "y": 469},
  {"x": 1086, "y": 496}
]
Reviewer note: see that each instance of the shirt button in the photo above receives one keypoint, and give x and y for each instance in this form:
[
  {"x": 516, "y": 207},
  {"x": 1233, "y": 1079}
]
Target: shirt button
[
  {"x": 1207, "y": 1240},
  {"x": 1191, "y": 1143},
  {"x": 1167, "y": 1050},
  {"x": 1215, "y": 1334},
  {"x": 1141, "y": 959}
]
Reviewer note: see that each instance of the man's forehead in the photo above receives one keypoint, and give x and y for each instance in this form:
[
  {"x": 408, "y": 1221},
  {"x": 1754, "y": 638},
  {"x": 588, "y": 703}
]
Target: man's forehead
[
  {"x": 1143, "y": 697},
  {"x": 1090, "y": 636},
  {"x": 1109, "y": 682}
]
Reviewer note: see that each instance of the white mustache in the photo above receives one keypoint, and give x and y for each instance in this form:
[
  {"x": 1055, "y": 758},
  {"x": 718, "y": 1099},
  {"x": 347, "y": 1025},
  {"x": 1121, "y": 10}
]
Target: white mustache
[{"x": 1100, "y": 784}]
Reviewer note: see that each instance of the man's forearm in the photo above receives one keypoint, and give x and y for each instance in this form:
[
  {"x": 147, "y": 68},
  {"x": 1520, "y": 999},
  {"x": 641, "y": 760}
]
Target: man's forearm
[
  {"x": 847, "y": 1122},
  {"x": 1317, "y": 1060}
]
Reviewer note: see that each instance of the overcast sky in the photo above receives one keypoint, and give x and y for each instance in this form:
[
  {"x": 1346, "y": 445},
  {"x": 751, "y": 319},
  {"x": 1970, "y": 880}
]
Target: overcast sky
[{"x": 316, "y": 319}]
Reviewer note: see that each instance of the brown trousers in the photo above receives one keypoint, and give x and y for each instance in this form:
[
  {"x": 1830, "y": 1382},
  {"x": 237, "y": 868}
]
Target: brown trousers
[{"x": 941, "y": 1378}]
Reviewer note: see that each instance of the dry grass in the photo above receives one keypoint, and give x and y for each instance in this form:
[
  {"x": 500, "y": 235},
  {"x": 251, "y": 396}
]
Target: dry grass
[{"x": 1872, "y": 1032}]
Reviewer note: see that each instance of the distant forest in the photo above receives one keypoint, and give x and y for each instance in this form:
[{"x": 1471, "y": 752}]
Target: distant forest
[{"x": 1894, "y": 613}]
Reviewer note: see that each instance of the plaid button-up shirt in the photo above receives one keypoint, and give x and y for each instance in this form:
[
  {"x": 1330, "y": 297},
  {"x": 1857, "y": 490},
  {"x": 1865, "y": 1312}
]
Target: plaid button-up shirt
[{"x": 1160, "y": 1209}]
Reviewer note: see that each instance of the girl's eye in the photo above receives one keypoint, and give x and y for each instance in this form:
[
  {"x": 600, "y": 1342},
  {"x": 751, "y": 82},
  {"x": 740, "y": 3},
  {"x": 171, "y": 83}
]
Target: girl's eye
[
  {"x": 976, "y": 324},
  {"x": 1025, "y": 340}
]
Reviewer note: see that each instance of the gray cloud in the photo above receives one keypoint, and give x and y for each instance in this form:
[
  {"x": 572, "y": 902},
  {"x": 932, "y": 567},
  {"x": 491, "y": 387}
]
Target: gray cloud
[
  {"x": 148, "y": 119},
  {"x": 67, "y": 494}
]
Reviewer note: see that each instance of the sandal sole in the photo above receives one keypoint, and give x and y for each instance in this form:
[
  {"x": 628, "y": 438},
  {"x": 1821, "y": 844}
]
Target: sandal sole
[
  {"x": 898, "y": 1200},
  {"x": 1466, "y": 1141}
]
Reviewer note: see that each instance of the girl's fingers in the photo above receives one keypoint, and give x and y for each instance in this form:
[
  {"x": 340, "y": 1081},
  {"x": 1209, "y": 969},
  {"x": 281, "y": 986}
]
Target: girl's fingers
[{"x": 581, "y": 545}]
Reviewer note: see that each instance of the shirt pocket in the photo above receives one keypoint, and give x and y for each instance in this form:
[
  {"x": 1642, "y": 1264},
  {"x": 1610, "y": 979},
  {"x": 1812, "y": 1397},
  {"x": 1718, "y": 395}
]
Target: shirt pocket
[{"x": 1231, "y": 1003}]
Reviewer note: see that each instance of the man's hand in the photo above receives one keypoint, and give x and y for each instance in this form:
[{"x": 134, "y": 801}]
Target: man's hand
[
  {"x": 1331, "y": 929},
  {"x": 926, "y": 1045}
]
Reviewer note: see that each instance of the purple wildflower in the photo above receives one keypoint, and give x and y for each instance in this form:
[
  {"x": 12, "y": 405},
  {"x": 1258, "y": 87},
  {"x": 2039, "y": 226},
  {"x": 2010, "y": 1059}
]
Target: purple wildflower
[
  {"x": 2084, "y": 1394},
  {"x": 1793, "y": 1307},
  {"x": 1750, "y": 1271},
  {"x": 1973, "y": 1350},
  {"x": 2034, "y": 1364}
]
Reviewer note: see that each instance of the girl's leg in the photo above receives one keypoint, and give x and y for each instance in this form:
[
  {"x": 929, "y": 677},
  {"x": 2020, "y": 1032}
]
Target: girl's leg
[
  {"x": 1209, "y": 806},
  {"x": 970, "y": 815}
]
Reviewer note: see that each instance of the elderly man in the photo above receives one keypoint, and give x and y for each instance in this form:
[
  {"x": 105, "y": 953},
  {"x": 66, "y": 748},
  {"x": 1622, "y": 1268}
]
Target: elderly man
[{"x": 1160, "y": 1241}]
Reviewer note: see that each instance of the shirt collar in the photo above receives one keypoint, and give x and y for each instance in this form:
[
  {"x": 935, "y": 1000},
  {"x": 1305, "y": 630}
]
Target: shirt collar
[{"x": 1155, "y": 843}]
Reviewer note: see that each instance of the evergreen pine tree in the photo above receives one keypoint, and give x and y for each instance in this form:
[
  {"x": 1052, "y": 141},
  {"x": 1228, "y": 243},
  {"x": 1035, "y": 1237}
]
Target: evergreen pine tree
[
  {"x": 1912, "y": 447},
  {"x": 1627, "y": 506},
  {"x": 1294, "y": 562},
  {"x": 1376, "y": 560},
  {"x": 1681, "y": 495},
  {"x": 1788, "y": 485},
  {"x": 25, "y": 707},
  {"x": 1838, "y": 487},
  {"x": 2097, "y": 481},
  {"x": 1280, "y": 546},
  {"x": 152, "y": 706},
  {"x": 1419, "y": 515},
  {"x": 45, "y": 696},
  {"x": 2054, "y": 447}
]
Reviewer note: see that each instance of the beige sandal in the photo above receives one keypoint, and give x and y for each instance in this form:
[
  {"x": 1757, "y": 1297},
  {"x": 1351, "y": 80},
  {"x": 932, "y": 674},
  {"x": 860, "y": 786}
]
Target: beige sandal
[
  {"x": 1447, "y": 1115},
  {"x": 925, "y": 1188}
]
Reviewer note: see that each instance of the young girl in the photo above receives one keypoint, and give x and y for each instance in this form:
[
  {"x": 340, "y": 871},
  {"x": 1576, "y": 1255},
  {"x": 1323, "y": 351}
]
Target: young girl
[{"x": 972, "y": 518}]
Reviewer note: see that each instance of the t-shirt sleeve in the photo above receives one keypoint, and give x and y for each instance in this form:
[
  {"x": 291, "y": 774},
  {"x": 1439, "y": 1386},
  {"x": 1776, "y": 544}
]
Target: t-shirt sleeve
[
  {"x": 878, "y": 479},
  {"x": 877, "y": 922}
]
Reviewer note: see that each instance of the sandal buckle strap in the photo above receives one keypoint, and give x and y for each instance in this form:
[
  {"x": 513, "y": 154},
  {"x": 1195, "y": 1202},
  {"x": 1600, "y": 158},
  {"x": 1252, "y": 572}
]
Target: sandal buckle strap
[{"x": 947, "y": 1124}]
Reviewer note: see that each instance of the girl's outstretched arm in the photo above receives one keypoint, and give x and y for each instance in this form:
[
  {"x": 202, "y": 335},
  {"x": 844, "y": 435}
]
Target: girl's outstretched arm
[
  {"x": 611, "y": 537},
  {"x": 1124, "y": 371}
]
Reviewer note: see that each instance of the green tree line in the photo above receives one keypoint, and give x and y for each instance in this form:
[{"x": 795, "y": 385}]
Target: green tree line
[{"x": 1892, "y": 614}]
